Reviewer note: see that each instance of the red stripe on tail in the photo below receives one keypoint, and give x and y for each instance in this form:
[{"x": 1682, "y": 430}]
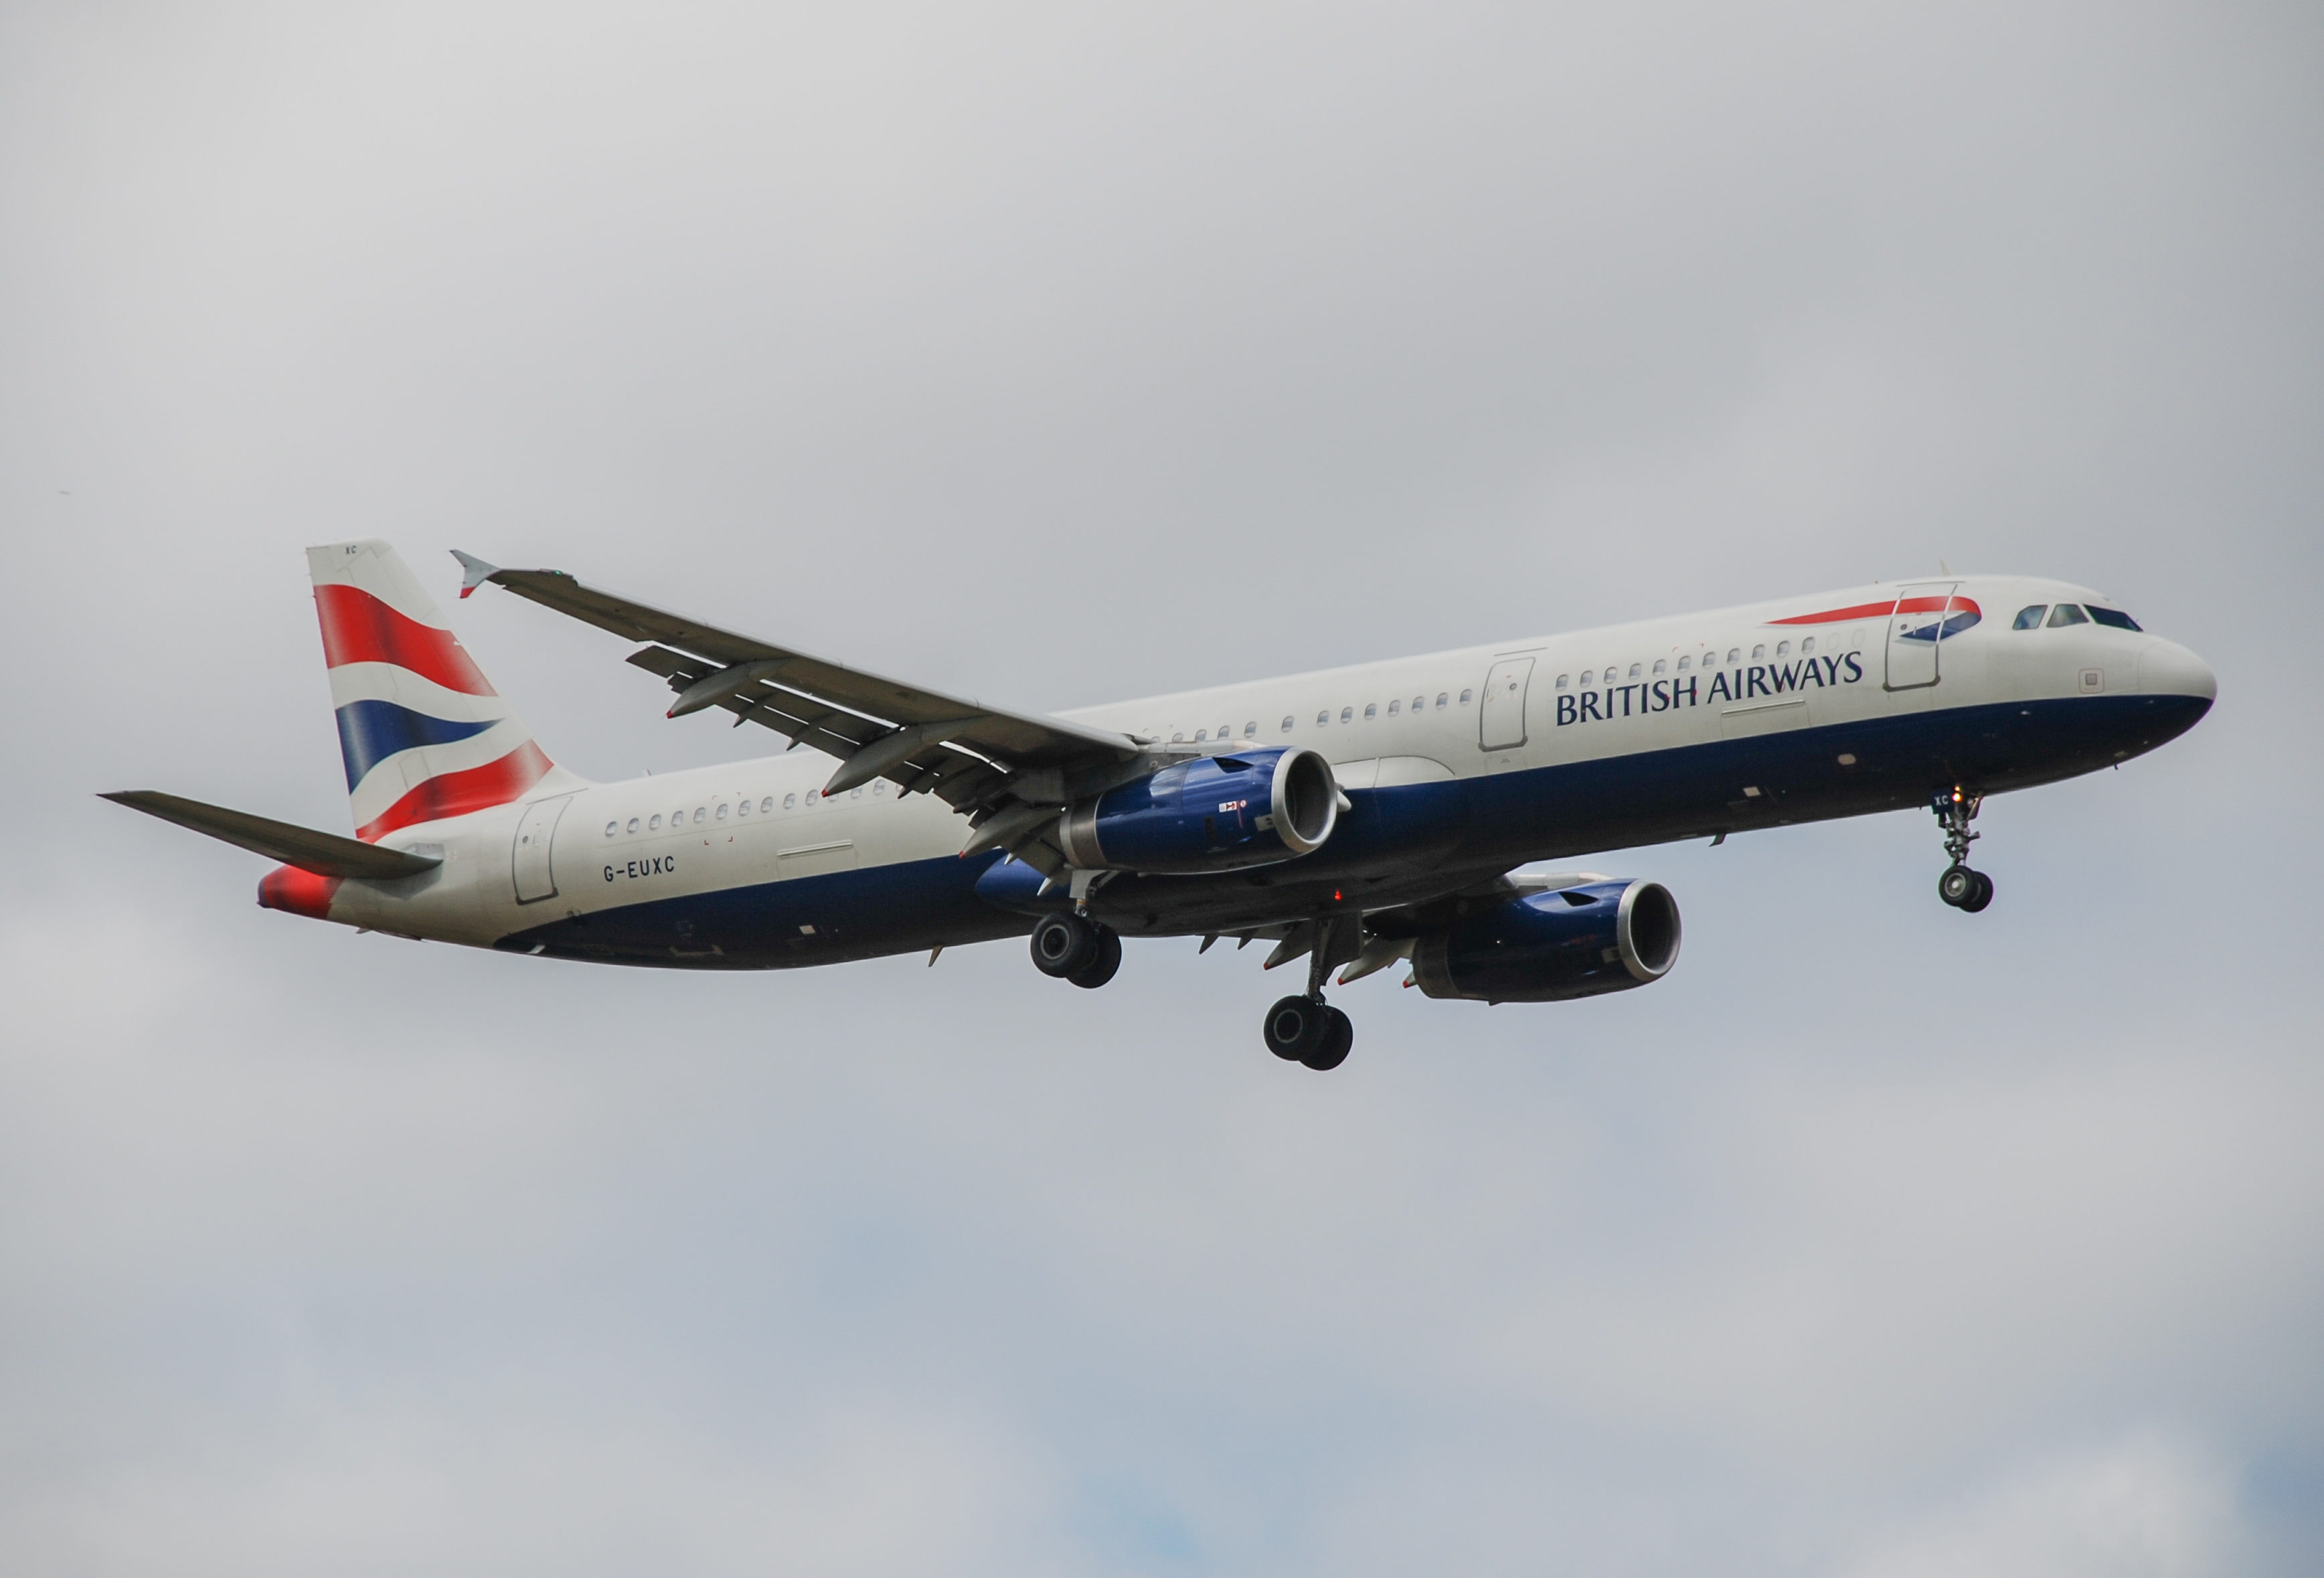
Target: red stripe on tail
[
  {"x": 358, "y": 628},
  {"x": 454, "y": 794}
]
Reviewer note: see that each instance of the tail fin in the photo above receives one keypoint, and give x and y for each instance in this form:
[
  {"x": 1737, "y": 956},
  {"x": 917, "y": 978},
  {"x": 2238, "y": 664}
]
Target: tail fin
[{"x": 422, "y": 732}]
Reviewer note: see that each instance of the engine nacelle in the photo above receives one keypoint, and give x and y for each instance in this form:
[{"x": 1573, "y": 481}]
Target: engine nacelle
[
  {"x": 1548, "y": 947},
  {"x": 1210, "y": 814}
]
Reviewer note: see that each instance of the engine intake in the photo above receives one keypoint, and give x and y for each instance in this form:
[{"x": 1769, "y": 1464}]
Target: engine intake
[
  {"x": 1212, "y": 814},
  {"x": 1548, "y": 947}
]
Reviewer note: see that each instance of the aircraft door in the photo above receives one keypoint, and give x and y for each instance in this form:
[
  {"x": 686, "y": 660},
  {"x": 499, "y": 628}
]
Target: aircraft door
[
  {"x": 536, "y": 828},
  {"x": 1502, "y": 718},
  {"x": 1915, "y": 631}
]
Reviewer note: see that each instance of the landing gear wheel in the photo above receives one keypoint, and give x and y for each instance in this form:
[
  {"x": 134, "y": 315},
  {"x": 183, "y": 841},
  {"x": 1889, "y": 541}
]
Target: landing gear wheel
[
  {"x": 1296, "y": 1027},
  {"x": 1065, "y": 944},
  {"x": 1965, "y": 890},
  {"x": 1339, "y": 1034},
  {"x": 1981, "y": 898},
  {"x": 1109, "y": 959}
]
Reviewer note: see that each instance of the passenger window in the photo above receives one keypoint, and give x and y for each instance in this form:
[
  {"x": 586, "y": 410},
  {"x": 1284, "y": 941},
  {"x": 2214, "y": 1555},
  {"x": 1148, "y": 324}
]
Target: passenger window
[
  {"x": 1561, "y": 681},
  {"x": 2030, "y": 618},
  {"x": 2066, "y": 613},
  {"x": 1322, "y": 719},
  {"x": 1179, "y": 738},
  {"x": 1658, "y": 665},
  {"x": 722, "y": 810},
  {"x": 855, "y": 794},
  {"x": 1201, "y": 735},
  {"x": 612, "y": 828},
  {"x": 634, "y": 824},
  {"x": 1286, "y": 725},
  {"x": 1225, "y": 730},
  {"x": 1783, "y": 649},
  {"x": 1758, "y": 652},
  {"x": 1464, "y": 698},
  {"x": 1347, "y": 714},
  {"x": 767, "y": 805},
  {"x": 1586, "y": 674},
  {"x": 1440, "y": 698},
  {"x": 654, "y": 825},
  {"x": 744, "y": 809},
  {"x": 1735, "y": 654},
  {"x": 789, "y": 800},
  {"x": 1250, "y": 730},
  {"x": 1807, "y": 646},
  {"x": 1634, "y": 671},
  {"x": 2114, "y": 618},
  {"x": 1683, "y": 664},
  {"x": 1372, "y": 711},
  {"x": 1395, "y": 707},
  {"x": 1419, "y": 702}
]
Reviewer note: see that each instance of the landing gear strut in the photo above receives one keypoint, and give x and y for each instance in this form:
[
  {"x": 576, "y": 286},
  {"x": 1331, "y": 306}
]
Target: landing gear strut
[
  {"x": 1073, "y": 947},
  {"x": 1960, "y": 886}
]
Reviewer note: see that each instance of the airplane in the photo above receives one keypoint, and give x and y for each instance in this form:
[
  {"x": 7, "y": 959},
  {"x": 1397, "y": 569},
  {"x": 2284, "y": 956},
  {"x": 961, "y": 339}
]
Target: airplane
[{"x": 1353, "y": 818}]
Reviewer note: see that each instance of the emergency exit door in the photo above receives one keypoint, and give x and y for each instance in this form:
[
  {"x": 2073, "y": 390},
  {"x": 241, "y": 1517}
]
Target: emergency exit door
[
  {"x": 1503, "y": 719},
  {"x": 536, "y": 830}
]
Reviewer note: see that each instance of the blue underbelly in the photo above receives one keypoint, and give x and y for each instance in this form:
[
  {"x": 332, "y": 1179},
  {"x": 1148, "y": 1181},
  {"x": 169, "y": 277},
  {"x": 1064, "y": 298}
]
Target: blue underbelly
[{"x": 1403, "y": 843}]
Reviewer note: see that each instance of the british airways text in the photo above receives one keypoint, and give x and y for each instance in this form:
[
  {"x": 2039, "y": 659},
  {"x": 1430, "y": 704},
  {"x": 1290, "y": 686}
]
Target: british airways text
[{"x": 1768, "y": 679}]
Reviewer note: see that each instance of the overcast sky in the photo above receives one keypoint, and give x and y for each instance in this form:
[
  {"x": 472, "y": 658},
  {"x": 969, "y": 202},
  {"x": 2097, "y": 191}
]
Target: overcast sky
[{"x": 1061, "y": 355}]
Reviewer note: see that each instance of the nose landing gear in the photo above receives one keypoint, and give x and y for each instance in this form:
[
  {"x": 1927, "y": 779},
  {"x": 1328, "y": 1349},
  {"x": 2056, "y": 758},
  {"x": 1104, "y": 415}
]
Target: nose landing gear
[{"x": 1963, "y": 888}]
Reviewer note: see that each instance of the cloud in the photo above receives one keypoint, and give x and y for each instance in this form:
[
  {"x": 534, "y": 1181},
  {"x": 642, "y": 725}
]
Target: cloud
[
  {"x": 2144, "y": 1505},
  {"x": 1063, "y": 356}
]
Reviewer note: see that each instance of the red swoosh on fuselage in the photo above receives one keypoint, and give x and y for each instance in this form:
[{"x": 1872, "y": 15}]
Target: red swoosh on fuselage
[{"x": 1881, "y": 609}]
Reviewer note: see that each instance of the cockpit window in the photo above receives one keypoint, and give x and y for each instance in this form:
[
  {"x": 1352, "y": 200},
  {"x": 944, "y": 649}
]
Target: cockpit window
[
  {"x": 2113, "y": 617},
  {"x": 2067, "y": 613},
  {"x": 2031, "y": 618}
]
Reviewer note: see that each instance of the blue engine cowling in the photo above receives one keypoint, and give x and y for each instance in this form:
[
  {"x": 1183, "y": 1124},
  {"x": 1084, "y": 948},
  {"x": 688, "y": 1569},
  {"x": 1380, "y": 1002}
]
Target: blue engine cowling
[
  {"x": 1548, "y": 947},
  {"x": 1211, "y": 814}
]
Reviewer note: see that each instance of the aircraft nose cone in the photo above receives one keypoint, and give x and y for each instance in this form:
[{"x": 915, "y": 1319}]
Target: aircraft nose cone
[{"x": 2168, "y": 669}]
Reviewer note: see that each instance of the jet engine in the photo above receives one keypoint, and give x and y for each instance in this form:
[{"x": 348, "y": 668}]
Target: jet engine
[
  {"x": 1213, "y": 813},
  {"x": 1546, "y": 948}
]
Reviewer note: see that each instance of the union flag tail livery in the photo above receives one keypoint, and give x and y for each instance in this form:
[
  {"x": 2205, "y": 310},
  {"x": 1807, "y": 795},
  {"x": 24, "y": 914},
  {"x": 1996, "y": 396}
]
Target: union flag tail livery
[
  {"x": 1354, "y": 818},
  {"x": 423, "y": 733}
]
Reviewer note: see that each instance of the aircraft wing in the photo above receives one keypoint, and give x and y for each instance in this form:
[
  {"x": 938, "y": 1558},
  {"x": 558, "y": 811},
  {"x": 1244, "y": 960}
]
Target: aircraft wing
[{"x": 971, "y": 755}]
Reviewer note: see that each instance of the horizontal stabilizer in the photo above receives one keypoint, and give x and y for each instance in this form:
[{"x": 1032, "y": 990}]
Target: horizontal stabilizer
[{"x": 326, "y": 855}]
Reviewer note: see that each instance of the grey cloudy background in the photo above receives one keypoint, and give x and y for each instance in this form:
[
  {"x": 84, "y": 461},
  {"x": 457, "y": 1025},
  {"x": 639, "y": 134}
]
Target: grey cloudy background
[{"x": 1067, "y": 354}]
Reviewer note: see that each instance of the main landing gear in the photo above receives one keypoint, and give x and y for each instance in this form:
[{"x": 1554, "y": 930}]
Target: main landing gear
[
  {"x": 1309, "y": 1030},
  {"x": 1073, "y": 947},
  {"x": 1960, "y": 886},
  {"x": 1306, "y": 1028}
]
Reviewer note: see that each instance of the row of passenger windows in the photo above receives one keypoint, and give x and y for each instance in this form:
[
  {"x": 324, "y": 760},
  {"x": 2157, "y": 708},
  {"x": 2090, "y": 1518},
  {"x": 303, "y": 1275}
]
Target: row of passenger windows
[
  {"x": 1324, "y": 719},
  {"x": 1614, "y": 673},
  {"x": 2066, "y": 613},
  {"x": 718, "y": 813}
]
